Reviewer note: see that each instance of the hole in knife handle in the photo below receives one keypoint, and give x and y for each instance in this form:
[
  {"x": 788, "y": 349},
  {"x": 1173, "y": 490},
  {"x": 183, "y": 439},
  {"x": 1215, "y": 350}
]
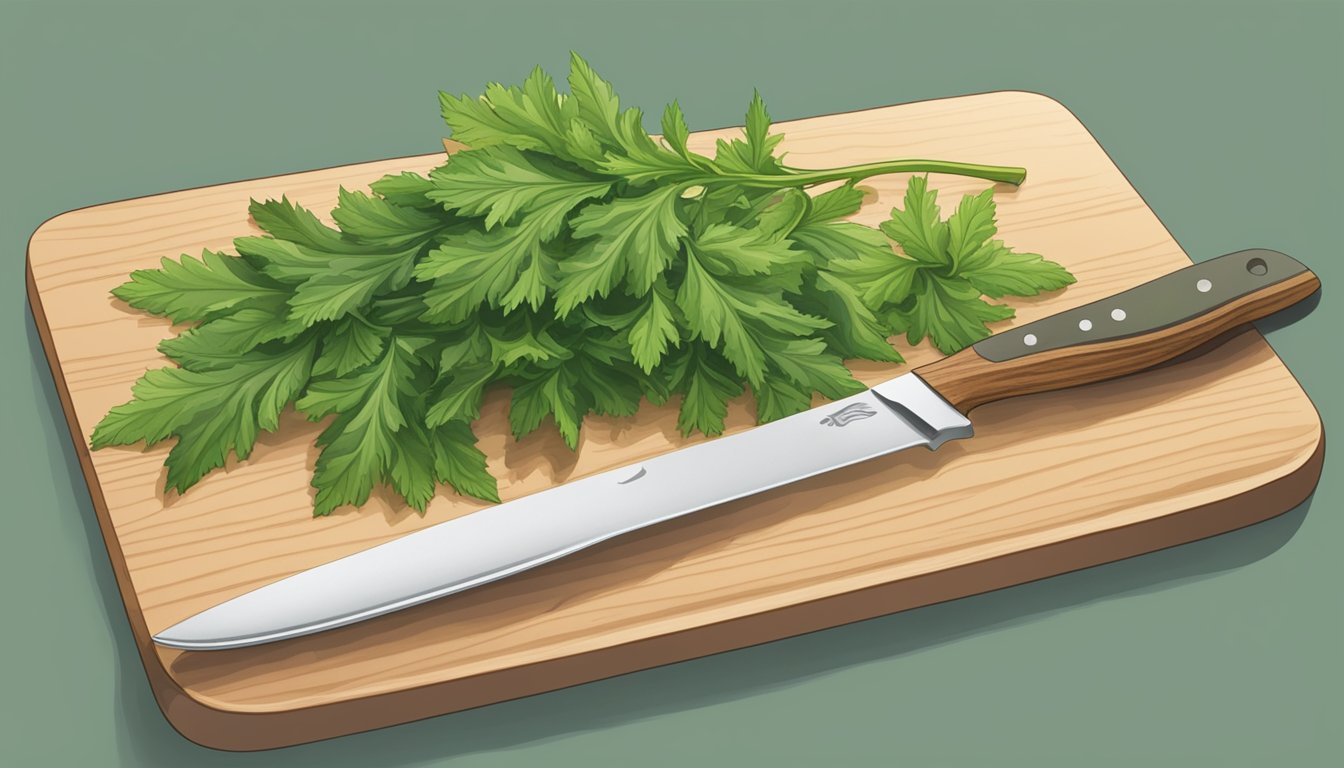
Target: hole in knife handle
[{"x": 1257, "y": 267}]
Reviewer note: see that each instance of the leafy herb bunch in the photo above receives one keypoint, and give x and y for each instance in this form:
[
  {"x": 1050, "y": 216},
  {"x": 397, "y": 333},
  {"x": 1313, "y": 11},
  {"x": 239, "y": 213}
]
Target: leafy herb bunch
[{"x": 571, "y": 257}]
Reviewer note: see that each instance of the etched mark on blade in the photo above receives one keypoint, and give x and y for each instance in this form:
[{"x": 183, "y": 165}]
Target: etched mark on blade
[
  {"x": 642, "y": 471},
  {"x": 848, "y": 414}
]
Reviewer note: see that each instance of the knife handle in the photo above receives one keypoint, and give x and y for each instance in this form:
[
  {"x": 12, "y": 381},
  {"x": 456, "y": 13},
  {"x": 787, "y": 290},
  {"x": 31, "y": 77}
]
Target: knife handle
[{"x": 1125, "y": 333}]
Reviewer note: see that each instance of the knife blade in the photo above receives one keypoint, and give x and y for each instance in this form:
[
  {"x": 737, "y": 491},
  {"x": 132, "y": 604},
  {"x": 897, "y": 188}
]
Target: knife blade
[{"x": 1125, "y": 333}]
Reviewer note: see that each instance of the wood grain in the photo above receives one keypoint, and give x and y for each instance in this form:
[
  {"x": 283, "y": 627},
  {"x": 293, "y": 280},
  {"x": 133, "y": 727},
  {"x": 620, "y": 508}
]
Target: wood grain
[
  {"x": 968, "y": 381},
  {"x": 1050, "y": 483}
]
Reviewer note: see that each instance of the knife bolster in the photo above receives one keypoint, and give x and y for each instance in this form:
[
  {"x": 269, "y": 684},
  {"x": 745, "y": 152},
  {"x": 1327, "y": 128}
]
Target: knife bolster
[
  {"x": 923, "y": 409},
  {"x": 1125, "y": 333}
]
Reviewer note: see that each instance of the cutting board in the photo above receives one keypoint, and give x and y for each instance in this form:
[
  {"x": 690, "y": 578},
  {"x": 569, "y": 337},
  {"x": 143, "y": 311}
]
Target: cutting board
[{"x": 1050, "y": 483}]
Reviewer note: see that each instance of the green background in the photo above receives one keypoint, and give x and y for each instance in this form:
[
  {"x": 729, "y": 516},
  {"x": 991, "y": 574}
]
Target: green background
[{"x": 1225, "y": 116}]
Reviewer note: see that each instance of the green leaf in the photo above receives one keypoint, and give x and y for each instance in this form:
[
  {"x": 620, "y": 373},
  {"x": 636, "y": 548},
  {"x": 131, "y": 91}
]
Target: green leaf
[
  {"x": 459, "y": 397},
  {"x": 635, "y": 237},
  {"x": 359, "y": 446},
  {"x": 205, "y": 443},
  {"x": 217, "y": 343},
  {"x": 349, "y": 282},
  {"x": 410, "y": 190},
  {"x": 616, "y": 139},
  {"x": 467, "y": 347},
  {"x": 842, "y": 241},
  {"x": 640, "y": 160},
  {"x": 599, "y": 376},
  {"x": 505, "y": 268},
  {"x": 778, "y": 397},
  {"x": 615, "y": 312},
  {"x": 584, "y": 145},
  {"x": 552, "y": 393},
  {"x": 856, "y": 332},
  {"x": 863, "y": 259},
  {"x": 996, "y": 271},
  {"x": 970, "y": 226},
  {"x": 410, "y": 465},
  {"x": 725, "y": 249},
  {"x": 192, "y": 289},
  {"x": 459, "y": 463},
  {"x": 529, "y": 118},
  {"x": 807, "y": 362},
  {"x": 535, "y": 108},
  {"x": 348, "y": 344},
  {"x": 675, "y": 132},
  {"x": 936, "y": 292},
  {"x": 738, "y": 316},
  {"x": 284, "y": 220},
  {"x": 375, "y": 221},
  {"x": 595, "y": 102},
  {"x": 917, "y": 228},
  {"x": 723, "y": 204},
  {"x": 756, "y": 153},
  {"x": 835, "y": 204},
  {"x": 212, "y": 412},
  {"x": 950, "y": 313},
  {"x": 759, "y": 142},
  {"x": 708, "y": 382},
  {"x": 334, "y": 274},
  {"x": 284, "y": 260},
  {"x": 525, "y": 339},
  {"x": 607, "y": 389},
  {"x": 779, "y": 219},
  {"x": 654, "y": 327},
  {"x": 403, "y": 307},
  {"x": 501, "y": 182}
]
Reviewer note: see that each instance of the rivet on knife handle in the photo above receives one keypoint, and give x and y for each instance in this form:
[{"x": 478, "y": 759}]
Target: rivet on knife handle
[{"x": 1124, "y": 333}]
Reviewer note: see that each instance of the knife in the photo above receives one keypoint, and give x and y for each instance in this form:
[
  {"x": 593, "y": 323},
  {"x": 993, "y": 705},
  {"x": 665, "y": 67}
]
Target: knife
[{"x": 1119, "y": 335}]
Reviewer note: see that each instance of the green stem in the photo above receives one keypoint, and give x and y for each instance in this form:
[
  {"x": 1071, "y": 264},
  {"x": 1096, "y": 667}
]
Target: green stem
[{"x": 795, "y": 177}]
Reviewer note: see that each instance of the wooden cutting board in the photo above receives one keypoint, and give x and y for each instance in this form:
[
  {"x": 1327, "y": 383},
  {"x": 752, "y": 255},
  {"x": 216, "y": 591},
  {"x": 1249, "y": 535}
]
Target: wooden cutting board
[{"x": 1050, "y": 483}]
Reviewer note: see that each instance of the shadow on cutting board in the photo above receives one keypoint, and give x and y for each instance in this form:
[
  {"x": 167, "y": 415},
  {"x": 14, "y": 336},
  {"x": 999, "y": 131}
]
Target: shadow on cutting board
[{"x": 145, "y": 737}]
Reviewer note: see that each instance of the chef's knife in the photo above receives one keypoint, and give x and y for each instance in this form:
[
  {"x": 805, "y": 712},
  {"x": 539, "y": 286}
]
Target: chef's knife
[{"x": 1125, "y": 333}]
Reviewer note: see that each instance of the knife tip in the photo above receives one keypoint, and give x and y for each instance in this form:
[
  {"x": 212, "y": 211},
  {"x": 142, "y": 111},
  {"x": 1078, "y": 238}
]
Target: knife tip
[{"x": 182, "y": 637}]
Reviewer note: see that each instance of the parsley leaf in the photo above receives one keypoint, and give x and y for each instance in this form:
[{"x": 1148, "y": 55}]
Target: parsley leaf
[
  {"x": 655, "y": 328},
  {"x": 499, "y": 182},
  {"x": 217, "y": 343},
  {"x": 376, "y": 221},
  {"x": 708, "y": 382},
  {"x": 755, "y": 154},
  {"x": 192, "y": 289},
  {"x": 347, "y": 283},
  {"x": 917, "y": 228},
  {"x": 739, "y": 316},
  {"x": 459, "y": 463},
  {"x": 504, "y": 267},
  {"x": 350, "y": 343},
  {"x": 997, "y": 271},
  {"x": 212, "y": 412},
  {"x": 935, "y": 289},
  {"x": 631, "y": 237},
  {"x": 378, "y": 434},
  {"x": 528, "y": 118}
]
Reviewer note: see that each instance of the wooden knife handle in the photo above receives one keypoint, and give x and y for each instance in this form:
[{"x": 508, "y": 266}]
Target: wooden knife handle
[{"x": 1125, "y": 333}]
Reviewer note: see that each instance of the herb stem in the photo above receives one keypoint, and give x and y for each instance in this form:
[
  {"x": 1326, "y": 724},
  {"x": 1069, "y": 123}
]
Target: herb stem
[{"x": 793, "y": 177}]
